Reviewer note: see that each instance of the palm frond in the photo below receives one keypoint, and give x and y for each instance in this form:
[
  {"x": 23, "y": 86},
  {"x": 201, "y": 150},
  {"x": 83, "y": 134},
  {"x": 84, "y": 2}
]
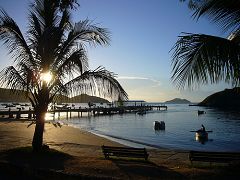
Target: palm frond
[
  {"x": 192, "y": 4},
  {"x": 77, "y": 62},
  {"x": 58, "y": 88},
  {"x": 82, "y": 32},
  {"x": 46, "y": 11},
  {"x": 99, "y": 82},
  {"x": 65, "y": 23},
  {"x": 46, "y": 30},
  {"x": 86, "y": 31},
  {"x": 200, "y": 59},
  {"x": 35, "y": 31},
  {"x": 12, "y": 79},
  {"x": 54, "y": 44},
  {"x": 223, "y": 12},
  {"x": 65, "y": 4},
  {"x": 14, "y": 40}
]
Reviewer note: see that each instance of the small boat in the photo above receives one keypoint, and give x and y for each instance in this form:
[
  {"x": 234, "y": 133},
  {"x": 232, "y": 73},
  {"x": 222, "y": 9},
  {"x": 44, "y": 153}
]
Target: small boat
[
  {"x": 200, "y": 112},
  {"x": 201, "y": 135},
  {"x": 159, "y": 125}
]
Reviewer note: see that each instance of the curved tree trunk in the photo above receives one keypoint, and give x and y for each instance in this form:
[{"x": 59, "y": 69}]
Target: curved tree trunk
[{"x": 37, "y": 142}]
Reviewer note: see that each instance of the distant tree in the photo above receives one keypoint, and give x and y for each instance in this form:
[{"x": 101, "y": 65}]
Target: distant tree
[
  {"x": 51, "y": 60},
  {"x": 202, "y": 59}
]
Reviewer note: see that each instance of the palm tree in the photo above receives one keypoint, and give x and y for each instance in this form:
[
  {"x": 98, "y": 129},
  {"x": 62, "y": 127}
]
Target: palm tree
[
  {"x": 202, "y": 59},
  {"x": 52, "y": 59}
]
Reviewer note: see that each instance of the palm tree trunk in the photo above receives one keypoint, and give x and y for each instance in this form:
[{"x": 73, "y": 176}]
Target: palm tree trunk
[{"x": 37, "y": 142}]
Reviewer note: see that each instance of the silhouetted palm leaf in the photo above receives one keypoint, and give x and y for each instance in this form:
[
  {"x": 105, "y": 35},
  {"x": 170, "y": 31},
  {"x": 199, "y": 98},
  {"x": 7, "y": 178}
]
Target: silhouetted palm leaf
[
  {"x": 13, "y": 39},
  {"x": 98, "y": 82},
  {"x": 223, "y": 12},
  {"x": 200, "y": 59}
]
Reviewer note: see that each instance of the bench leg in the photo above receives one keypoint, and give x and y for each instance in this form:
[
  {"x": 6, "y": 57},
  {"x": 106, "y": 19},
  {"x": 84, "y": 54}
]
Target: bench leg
[
  {"x": 146, "y": 158},
  {"x": 106, "y": 156}
]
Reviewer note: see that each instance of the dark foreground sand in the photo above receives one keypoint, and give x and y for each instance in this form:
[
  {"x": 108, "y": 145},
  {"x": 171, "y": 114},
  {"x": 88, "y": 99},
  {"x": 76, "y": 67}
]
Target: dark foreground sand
[{"x": 86, "y": 159}]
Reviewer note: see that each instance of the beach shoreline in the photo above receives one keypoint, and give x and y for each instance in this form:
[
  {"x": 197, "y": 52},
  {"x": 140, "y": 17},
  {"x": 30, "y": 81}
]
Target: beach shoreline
[{"x": 87, "y": 158}]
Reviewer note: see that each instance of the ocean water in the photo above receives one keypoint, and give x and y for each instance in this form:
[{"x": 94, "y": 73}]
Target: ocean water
[{"x": 137, "y": 130}]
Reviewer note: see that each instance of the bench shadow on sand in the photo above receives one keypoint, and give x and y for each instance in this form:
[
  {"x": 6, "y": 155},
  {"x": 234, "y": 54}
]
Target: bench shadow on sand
[{"x": 145, "y": 169}]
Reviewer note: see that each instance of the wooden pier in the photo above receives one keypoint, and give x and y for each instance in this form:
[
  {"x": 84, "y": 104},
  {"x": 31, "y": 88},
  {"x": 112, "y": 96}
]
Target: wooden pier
[{"x": 95, "y": 111}]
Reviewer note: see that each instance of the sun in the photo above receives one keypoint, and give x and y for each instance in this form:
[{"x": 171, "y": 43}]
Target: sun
[{"x": 47, "y": 77}]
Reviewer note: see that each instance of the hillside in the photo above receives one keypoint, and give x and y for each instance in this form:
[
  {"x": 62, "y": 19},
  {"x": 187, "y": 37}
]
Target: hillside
[
  {"x": 84, "y": 98},
  {"x": 7, "y": 96},
  {"x": 229, "y": 98},
  {"x": 178, "y": 101}
]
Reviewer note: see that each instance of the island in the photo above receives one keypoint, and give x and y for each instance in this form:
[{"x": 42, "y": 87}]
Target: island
[
  {"x": 227, "y": 99},
  {"x": 178, "y": 101}
]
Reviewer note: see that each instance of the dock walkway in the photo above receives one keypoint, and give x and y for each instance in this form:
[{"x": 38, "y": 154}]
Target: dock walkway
[{"x": 95, "y": 111}]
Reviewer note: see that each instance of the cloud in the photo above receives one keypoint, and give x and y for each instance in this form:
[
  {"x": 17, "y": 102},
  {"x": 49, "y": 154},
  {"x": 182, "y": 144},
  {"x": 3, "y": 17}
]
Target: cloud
[
  {"x": 132, "y": 78},
  {"x": 156, "y": 82}
]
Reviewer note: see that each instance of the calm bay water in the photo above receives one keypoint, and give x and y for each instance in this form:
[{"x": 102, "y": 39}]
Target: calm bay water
[
  {"x": 137, "y": 130},
  {"x": 179, "y": 120}
]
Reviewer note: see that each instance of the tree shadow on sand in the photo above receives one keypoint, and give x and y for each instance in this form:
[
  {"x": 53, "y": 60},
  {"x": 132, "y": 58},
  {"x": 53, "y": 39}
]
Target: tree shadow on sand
[
  {"x": 24, "y": 163},
  {"x": 145, "y": 169},
  {"x": 24, "y": 156}
]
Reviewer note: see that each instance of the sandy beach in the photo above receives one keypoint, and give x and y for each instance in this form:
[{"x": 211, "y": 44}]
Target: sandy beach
[{"x": 87, "y": 158}]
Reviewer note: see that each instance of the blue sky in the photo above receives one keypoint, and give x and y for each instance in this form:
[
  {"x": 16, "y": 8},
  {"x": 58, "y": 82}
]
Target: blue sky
[{"x": 142, "y": 34}]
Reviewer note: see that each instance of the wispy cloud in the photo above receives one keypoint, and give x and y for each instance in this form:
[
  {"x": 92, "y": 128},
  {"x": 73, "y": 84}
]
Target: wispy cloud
[
  {"x": 132, "y": 78},
  {"x": 156, "y": 82}
]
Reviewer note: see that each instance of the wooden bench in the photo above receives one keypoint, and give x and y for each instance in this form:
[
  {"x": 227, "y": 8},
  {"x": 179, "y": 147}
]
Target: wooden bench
[
  {"x": 219, "y": 157},
  {"x": 124, "y": 152}
]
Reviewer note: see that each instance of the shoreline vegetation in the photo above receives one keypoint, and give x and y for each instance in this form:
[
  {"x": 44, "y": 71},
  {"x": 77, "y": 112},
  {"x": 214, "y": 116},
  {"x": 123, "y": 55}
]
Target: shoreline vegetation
[{"x": 75, "y": 153}]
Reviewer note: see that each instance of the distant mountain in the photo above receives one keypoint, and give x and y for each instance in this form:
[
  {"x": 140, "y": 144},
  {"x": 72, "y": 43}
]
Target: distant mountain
[
  {"x": 229, "y": 98},
  {"x": 7, "y": 96},
  {"x": 84, "y": 98},
  {"x": 178, "y": 101}
]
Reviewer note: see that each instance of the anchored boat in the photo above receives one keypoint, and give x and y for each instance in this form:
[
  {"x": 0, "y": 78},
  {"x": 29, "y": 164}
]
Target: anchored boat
[
  {"x": 159, "y": 125},
  {"x": 201, "y": 135},
  {"x": 201, "y": 112}
]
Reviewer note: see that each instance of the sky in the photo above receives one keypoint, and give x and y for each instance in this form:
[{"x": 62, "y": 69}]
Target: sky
[{"x": 142, "y": 35}]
